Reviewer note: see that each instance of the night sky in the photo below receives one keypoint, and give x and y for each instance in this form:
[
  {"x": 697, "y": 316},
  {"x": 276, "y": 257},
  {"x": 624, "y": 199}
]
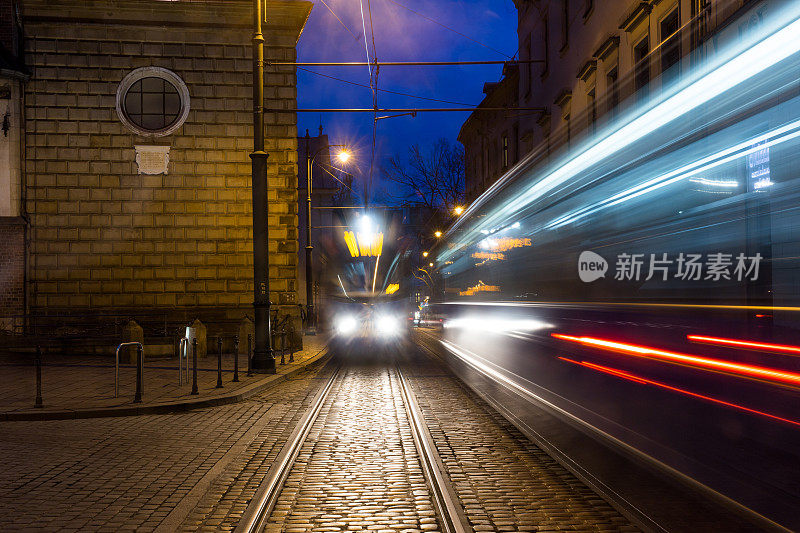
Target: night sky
[{"x": 400, "y": 35}]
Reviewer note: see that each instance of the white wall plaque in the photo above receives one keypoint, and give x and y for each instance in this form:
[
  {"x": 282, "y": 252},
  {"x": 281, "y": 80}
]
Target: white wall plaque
[{"x": 152, "y": 159}]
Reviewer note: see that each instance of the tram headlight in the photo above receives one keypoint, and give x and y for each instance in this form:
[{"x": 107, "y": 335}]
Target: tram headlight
[
  {"x": 346, "y": 324},
  {"x": 388, "y": 325}
]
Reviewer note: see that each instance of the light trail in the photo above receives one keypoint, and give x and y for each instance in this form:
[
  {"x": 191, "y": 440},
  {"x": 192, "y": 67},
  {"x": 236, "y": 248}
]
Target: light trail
[
  {"x": 632, "y": 304},
  {"x": 769, "y": 374},
  {"x": 719, "y": 79},
  {"x": 779, "y": 348},
  {"x": 644, "y": 381}
]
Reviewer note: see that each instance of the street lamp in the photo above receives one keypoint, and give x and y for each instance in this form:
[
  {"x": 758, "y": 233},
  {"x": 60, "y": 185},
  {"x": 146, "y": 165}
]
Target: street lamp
[
  {"x": 438, "y": 234},
  {"x": 343, "y": 156},
  {"x": 263, "y": 358},
  {"x": 457, "y": 210},
  {"x": 424, "y": 254}
]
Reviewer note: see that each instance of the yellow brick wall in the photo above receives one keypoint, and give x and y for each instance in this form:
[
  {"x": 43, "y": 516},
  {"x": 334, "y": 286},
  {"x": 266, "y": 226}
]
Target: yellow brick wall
[{"x": 104, "y": 236}]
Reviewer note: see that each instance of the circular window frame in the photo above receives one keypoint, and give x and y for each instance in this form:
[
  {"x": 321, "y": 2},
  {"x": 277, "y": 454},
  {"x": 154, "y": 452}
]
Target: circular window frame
[{"x": 153, "y": 72}]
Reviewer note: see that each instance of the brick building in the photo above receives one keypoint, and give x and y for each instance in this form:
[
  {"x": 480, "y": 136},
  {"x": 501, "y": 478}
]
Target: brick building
[{"x": 138, "y": 129}]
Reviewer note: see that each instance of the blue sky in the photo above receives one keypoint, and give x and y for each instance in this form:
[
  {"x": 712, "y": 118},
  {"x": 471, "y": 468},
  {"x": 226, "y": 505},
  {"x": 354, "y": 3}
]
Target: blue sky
[{"x": 400, "y": 35}]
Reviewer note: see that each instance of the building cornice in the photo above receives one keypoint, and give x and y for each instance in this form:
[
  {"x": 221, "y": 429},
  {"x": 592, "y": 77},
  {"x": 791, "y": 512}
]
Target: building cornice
[
  {"x": 563, "y": 98},
  {"x": 608, "y": 46},
  {"x": 285, "y": 17},
  {"x": 587, "y": 69},
  {"x": 636, "y": 16}
]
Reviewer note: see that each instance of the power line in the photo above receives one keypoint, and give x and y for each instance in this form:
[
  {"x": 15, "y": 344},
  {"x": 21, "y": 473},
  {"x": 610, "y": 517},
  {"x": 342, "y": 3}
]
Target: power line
[
  {"x": 383, "y": 90},
  {"x": 449, "y": 28},
  {"x": 340, "y": 20},
  {"x": 394, "y": 63},
  {"x": 411, "y": 111}
]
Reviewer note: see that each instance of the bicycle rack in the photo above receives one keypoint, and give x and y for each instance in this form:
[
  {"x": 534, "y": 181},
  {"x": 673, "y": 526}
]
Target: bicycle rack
[
  {"x": 183, "y": 356},
  {"x": 139, "y": 369}
]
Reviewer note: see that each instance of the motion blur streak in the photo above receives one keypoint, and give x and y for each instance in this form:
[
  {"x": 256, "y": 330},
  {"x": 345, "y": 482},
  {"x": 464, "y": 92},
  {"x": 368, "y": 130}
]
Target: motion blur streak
[
  {"x": 637, "y": 304},
  {"x": 495, "y": 325},
  {"x": 780, "y": 348},
  {"x": 645, "y": 381},
  {"x": 775, "y": 48},
  {"x": 769, "y": 374}
]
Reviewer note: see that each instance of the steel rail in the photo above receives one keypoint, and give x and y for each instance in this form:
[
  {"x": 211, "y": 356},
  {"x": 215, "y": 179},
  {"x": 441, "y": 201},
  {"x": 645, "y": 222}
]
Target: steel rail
[
  {"x": 445, "y": 500},
  {"x": 263, "y": 502}
]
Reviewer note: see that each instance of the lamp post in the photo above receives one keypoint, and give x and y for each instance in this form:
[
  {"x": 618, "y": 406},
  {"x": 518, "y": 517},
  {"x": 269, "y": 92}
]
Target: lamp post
[
  {"x": 263, "y": 358},
  {"x": 311, "y": 318}
]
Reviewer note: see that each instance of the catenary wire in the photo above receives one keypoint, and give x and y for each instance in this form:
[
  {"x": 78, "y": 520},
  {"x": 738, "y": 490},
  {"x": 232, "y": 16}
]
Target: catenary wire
[{"x": 389, "y": 91}]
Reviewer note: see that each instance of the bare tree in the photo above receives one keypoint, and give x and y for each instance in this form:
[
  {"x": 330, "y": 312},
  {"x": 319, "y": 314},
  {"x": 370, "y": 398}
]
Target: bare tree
[{"x": 434, "y": 177}]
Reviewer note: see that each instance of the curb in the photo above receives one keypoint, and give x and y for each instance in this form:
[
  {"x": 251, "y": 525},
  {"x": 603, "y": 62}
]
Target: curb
[{"x": 165, "y": 408}]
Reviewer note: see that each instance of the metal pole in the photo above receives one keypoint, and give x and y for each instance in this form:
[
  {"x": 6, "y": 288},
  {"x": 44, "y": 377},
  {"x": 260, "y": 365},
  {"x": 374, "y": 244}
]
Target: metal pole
[
  {"x": 263, "y": 358},
  {"x": 219, "y": 362},
  {"x": 194, "y": 363},
  {"x": 38, "y": 402},
  {"x": 139, "y": 371},
  {"x": 311, "y": 322},
  {"x": 283, "y": 347},
  {"x": 236, "y": 359},
  {"x": 249, "y": 355}
]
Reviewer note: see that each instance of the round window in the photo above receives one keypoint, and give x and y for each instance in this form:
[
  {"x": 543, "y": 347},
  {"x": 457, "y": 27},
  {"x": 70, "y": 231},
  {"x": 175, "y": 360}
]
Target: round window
[{"x": 152, "y": 101}]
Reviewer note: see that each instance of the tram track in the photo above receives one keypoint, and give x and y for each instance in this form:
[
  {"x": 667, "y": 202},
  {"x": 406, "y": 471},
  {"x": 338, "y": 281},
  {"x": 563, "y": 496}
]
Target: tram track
[{"x": 449, "y": 513}]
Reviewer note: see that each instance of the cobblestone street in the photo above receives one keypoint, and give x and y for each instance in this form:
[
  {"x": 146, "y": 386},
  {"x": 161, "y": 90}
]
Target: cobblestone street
[
  {"x": 133, "y": 473},
  {"x": 358, "y": 469}
]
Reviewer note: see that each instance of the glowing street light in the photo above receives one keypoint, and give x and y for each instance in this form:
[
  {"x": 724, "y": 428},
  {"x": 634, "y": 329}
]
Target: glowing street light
[
  {"x": 438, "y": 234},
  {"x": 430, "y": 264},
  {"x": 424, "y": 254},
  {"x": 457, "y": 210},
  {"x": 343, "y": 156}
]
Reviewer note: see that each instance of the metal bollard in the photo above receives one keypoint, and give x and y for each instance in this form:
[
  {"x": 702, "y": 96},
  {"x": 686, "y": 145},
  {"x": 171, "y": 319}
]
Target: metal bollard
[
  {"x": 219, "y": 362},
  {"x": 38, "y": 402},
  {"x": 194, "y": 363},
  {"x": 249, "y": 355},
  {"x": 137, "y": 398},
  {"x": 236, "y": 359},
  {"x": 283, "y": 347}
]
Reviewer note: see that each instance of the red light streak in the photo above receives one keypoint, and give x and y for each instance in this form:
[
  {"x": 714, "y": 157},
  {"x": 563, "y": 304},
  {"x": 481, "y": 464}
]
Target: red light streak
[
  {"x": 746, "y": 344},
  {"x": 645, "y": 381},
  {"x": 770, "y": 374}
]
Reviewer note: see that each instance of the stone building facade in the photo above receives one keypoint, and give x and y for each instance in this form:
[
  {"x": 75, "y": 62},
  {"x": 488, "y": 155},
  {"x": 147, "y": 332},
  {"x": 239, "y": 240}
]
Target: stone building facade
[
  {"x": 593, "y": 59},
  {"x": 137, "y": 171},
  {"x": 13, "y": 75}
]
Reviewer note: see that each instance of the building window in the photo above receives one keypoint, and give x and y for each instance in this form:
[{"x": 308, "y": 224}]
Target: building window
[
  {"x": 546, "y": 46},
  {"x": 505, "y": 151},
  {"x": 641, "y": 59},
  {"x": 527, "y": 69},
  {"x": 670, "y": 41},
  {"x": 612, "y": 87},
  {"x": 515, "y": 140},
  {"x": 152, "y": 101},
  {"x": 564, "y": 25}
]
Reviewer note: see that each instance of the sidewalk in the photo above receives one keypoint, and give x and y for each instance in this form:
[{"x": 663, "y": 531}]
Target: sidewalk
[{"x": 83, "y": 387}]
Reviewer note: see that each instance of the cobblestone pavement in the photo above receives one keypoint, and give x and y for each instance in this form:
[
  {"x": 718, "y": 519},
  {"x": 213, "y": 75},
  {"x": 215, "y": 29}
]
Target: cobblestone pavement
[
  {"x": 503, "y": 480},
  {"x": 358, "y": 469},
  {"x": 86, "y": 382},
  {"x": 134, "y": 473}
]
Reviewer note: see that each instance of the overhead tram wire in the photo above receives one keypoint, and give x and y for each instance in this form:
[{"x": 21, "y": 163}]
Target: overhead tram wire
[
  {"x": 395, "y": 63},
  {"x": 403, "y": 110},
  {"x": 389, "y": 91},
  {"x": 375, "y": 106},
  {"x": 451, "y": 29},
  {"x": 340, "y": 20}
]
